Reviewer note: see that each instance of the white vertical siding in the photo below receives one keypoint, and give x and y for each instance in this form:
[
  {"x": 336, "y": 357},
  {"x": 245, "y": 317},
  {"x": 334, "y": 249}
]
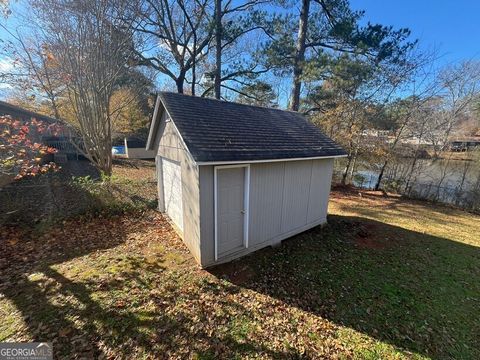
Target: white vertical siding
[
  {"x": 296, "y": 194},
  {"x": 319, "y": 193},
  {"x": 171, "y": 147},
  {"x": 285, "y": 198},
  {"x": 266, "y": 201},
  {"x": 207, "y": 215}
]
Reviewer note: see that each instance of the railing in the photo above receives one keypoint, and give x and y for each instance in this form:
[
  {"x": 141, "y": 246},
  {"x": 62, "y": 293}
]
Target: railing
[{"x": 63, "y": 146}]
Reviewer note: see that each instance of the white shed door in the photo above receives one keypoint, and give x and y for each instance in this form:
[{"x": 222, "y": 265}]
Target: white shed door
[
  {"x": 172, "y": 191},
  {"x": 231, "y": 210}
]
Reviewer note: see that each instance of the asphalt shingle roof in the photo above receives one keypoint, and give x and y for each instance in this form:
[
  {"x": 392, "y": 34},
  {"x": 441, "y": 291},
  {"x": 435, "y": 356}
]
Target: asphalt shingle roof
[
  {"x": 18, "y": 112},
  {"x": 215, "y": 130}
]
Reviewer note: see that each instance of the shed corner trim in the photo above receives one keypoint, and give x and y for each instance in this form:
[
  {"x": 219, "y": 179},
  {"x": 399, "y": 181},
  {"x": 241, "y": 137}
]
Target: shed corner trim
[{"x": 227, "y": 162}]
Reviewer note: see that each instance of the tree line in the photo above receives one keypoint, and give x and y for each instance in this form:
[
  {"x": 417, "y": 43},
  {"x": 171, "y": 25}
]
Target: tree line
[{"x": 96, "y": 63}]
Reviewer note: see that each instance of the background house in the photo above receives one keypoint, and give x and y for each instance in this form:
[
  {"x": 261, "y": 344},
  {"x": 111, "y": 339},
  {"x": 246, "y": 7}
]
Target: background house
[
  {"x": 132, "y": 148},
  {"x": 465, "y": 143},
  {"x": 234, "y": 178},
  {"x": 62, "y": 139}
]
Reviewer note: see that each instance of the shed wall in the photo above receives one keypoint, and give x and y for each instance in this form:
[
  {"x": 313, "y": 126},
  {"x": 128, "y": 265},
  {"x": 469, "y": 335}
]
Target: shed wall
[
  {"x": 171, "y": 147},
  {"x": 139, "y": 153},
  {"x": 286, "y": 198}
]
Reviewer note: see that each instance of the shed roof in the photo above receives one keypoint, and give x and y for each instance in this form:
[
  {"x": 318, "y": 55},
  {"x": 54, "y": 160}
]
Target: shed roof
[
  {"x": 220, "y": 131},
  {"x": 17, "y": 111}
]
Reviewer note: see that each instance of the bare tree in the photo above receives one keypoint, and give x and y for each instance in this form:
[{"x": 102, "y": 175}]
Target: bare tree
[
  {"x": 36, "y": 69},
  {"x": 172, "y": 36},
  {"x": 460, "y": 86},
  {"x": 176, "y": 38},
  {"x": 404, "y": 113},
  {"x": 92, "y": 54},
  {"x": 421, "y": 120}
]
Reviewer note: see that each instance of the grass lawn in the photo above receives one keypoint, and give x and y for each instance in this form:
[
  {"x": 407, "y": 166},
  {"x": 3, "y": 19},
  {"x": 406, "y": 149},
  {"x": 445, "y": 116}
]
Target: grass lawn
[{"x": 386, "y": 278}]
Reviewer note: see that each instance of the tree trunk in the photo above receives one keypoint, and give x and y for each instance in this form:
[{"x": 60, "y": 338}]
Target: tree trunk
[
  {"x": 56, "y": 113},
  {"x": 218, "y": 47},
  {"x": 349, "y": 160},
  {"x": 345, "y": 172},
  {"x": 299, "y": 56},
  {"x": 458, "y": 197},
  {"x": 442, "y": 178},
  {"x": 194, "y": 63},
  {"x": 380, "y": 176},
  {"x": 410, "y": 174},
  {"x": 108, "y": 157},
  {"x": 106, "y": 169},
  {"x": 180, "y": 81},
  {"x": 354, "y": 163}
]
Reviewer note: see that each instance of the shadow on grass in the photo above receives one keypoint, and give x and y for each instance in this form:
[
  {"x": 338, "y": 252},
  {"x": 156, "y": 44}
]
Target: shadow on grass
[
  {"x": 53, "y": 307},
  {"x": 417, "y": 292},
  {"x": 128, "y": 306},
  {"x": 53, "y": 196}
]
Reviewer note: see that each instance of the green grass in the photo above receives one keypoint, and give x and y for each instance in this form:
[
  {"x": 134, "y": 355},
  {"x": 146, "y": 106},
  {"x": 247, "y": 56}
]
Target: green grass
[{"x": 387, "y": 278}]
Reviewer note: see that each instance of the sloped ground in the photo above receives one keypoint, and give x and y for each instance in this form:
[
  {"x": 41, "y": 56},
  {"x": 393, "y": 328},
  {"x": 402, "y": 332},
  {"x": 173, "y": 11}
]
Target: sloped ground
[
  {"x": 387, "y": 278},
  {"x": 68, "y": 192}
]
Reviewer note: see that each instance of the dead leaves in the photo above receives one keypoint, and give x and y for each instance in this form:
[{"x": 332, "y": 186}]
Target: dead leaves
[
  {"x": 64, "y": 332},
  {"x": 127, "y": 287}
]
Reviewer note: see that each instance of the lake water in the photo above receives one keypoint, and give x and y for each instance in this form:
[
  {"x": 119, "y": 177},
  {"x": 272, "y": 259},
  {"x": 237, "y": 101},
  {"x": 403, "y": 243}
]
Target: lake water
[{"x": 432, "y": 179}]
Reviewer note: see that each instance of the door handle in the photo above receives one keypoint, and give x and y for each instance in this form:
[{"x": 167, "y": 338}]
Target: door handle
[{"x": 243, "y": 211}]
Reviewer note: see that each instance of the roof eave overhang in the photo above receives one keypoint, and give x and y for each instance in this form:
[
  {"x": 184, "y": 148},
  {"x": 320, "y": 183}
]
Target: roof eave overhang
[
  {"x": 269, "y": 160},
  {"x": 154, "y": 125}
]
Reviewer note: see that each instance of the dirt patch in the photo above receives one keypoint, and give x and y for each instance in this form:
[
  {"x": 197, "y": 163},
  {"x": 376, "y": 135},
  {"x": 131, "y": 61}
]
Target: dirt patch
[
  {"x": 369, "y": 243},
  {"x": 368, "y": 237},
  {"x": 234, "y": 271},
  {"x": 365, "y": 235}
]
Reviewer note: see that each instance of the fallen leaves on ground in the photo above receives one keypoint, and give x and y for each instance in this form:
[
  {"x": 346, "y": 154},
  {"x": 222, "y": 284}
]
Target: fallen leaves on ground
[{"x": 124, "y": 287}]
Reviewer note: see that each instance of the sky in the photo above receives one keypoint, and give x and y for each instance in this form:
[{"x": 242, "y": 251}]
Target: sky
[{"x": 450, "y": 27}]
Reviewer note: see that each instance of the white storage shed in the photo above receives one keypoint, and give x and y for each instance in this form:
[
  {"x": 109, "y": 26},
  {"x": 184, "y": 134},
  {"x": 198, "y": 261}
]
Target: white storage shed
[{"x": 234, "y": 178}]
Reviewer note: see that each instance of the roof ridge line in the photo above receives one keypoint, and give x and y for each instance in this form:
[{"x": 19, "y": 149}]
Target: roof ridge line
[{"x": 230, "y": 102}]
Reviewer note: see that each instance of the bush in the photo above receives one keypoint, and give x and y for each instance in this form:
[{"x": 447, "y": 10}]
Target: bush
[
  {"x": 393, "y": 185},
  {"x": 115, "y": 194}
]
